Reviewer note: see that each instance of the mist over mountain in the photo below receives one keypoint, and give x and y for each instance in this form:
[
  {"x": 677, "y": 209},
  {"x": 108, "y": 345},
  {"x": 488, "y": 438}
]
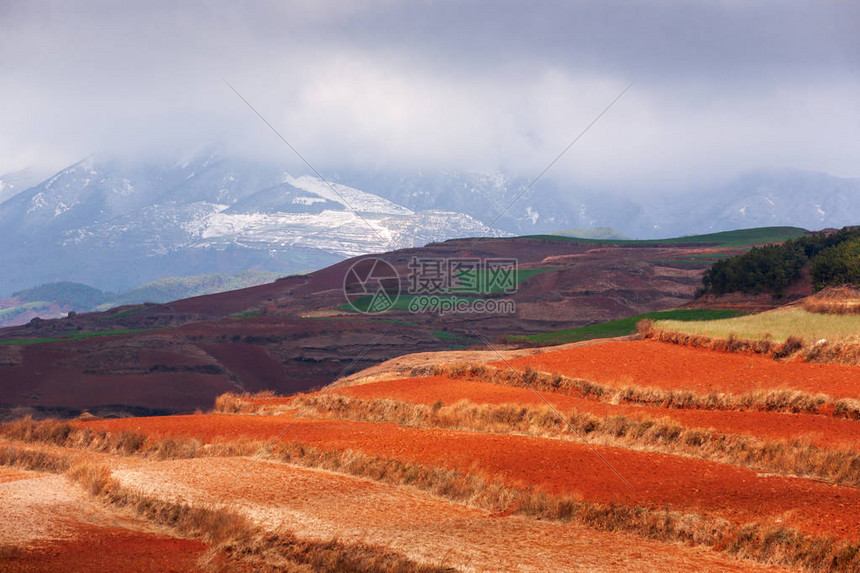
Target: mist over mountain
[
  {"x": 13, "y": 183},
  {"x": 769, "y": 197},
  {"x": 116, "y": 224},
  {"x": 760, "y": 198}
]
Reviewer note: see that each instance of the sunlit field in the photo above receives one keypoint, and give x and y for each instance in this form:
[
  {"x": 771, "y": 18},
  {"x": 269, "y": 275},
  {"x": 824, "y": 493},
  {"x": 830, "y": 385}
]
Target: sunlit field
[{"x": 775, "y": 325}]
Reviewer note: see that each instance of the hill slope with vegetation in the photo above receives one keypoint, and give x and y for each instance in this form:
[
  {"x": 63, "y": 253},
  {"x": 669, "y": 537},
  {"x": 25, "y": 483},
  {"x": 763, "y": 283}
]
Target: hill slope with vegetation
[{"x": 833, "y": 258}]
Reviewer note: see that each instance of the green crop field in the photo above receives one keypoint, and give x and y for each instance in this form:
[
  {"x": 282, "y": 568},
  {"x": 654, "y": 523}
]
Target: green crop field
[
  {"x": 624, "y": 326},
  {"x": 70, "y": 337},
  {"x": 725, "y": 239}
]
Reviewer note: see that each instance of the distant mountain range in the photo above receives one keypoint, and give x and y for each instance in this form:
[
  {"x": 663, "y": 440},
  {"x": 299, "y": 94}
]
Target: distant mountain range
[
  {"x": 55, "y": 300},
  {"x": 118, "y": 224},
  {"x": 771, "y": 197}
]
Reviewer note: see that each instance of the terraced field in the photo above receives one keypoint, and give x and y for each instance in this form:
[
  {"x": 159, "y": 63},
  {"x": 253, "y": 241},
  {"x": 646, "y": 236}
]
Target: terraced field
[
  {"x": 48, "y": 526},
  {"x": 653, "y": 364},
  {"x": 623, "y": 455}
]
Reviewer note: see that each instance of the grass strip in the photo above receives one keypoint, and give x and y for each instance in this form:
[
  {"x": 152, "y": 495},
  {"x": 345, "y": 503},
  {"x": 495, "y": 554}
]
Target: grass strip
[
  {"x": 621, "y": 327},
  {"x": 72, "y": 337}
]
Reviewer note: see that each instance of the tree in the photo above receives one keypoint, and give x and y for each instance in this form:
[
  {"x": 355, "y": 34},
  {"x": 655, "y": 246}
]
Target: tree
[{"x": 837, "y": 265}]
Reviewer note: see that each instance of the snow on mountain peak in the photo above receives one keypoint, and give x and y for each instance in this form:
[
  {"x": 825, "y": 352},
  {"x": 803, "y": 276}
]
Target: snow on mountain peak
[{"x": 351, "y": 198}]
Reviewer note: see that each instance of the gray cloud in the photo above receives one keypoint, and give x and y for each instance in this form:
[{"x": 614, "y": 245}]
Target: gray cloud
[{"x": 721, "y": 86}]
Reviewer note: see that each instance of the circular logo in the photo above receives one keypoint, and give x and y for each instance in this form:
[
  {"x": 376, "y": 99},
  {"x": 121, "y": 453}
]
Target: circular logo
[{"x": 371, "y": 285}]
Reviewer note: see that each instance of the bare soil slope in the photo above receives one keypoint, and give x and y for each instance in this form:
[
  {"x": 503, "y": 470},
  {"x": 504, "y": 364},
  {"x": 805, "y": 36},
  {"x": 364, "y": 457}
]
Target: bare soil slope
[{"x": 294, "y": 335}]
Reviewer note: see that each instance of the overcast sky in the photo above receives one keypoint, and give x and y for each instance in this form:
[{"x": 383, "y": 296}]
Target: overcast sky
[{"x": 720, "y": 87}]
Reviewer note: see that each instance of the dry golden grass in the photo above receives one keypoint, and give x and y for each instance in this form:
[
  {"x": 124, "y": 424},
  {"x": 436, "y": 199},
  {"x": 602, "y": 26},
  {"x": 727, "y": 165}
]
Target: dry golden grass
[
  {"x": 224, "y": 530},
  {"x": 34, "y": 460},
  {"x": 231, "y": 403},
  {"x": 823, "y": 351},
  {"x": 834, "y": 300},
  {"x": 231, "y": 533},
  {"x": 63, "y": 434},
  {"x": 776, "y": 325},
  {"x": 792, "y": 401},
  {"x": 782, "y": 333},
  {"x": 664, "y": 435}
]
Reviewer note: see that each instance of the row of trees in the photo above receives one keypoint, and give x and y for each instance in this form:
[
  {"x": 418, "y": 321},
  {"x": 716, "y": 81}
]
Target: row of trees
[{"x": 772, "y": 268}]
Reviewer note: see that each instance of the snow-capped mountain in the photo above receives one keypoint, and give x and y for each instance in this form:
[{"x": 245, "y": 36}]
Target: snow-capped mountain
[
  {"x": 115, "y": 225},
  {"x": 13, "y": 183}
]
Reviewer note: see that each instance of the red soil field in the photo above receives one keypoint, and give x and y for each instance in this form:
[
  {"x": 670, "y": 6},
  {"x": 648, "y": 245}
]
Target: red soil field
[
  {"x": 206, "y": 427},
  {"x": 421, "y": 526},
  {"x": 561, "y": 467},
  {"x": 49, "y": 524},
  {"x": 648, "y": 363},
  {"x": 818, "y": 430},
  {"x": 310, "y": 503},
  {"x": 94, "y": 548}
]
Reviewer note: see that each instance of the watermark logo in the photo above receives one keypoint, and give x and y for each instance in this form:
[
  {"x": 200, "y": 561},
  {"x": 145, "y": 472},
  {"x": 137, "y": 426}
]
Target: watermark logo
[
  {"x": 474, "y": 276},
  {"x": 371, "y": 285},
  {"x": 434, "y": 284}
]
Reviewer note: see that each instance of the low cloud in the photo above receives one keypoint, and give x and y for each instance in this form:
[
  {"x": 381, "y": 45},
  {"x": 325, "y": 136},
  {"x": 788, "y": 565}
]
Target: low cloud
[{"x": 721, "y": 87}]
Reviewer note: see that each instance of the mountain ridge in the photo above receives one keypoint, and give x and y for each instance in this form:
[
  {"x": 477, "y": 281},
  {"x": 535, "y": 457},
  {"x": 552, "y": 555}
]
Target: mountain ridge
[{"x": 117, "y": 224}]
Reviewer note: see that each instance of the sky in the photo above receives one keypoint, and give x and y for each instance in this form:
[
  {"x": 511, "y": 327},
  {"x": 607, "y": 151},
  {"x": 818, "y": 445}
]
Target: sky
[{"x": 718, "y": 88}]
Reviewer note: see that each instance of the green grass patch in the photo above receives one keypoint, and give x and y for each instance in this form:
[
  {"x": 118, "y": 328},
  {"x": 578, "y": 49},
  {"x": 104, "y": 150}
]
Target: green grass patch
[
  {"x": 455, "y": 339},
  {"x": 625, "y": 326},
  {"x": 393, "y": 321},
  {"x": 251, "y": 313},
  {"x": 71, "y": 337},
  {"x": 775, "y": 325},
  {"x": 725, "y": 239}
]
